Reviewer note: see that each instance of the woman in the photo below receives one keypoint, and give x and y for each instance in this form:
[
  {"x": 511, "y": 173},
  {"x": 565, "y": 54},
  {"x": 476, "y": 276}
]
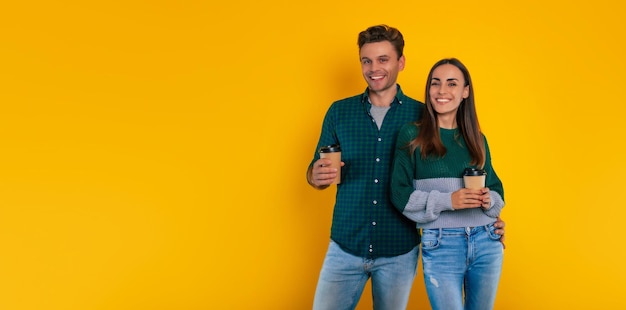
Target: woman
[{"x": 461, "y": 254}]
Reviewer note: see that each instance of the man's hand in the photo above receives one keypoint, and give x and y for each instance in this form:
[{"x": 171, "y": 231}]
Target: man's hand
[
  {"x": 499, "y": 225},
  {"x": 321, "y": 175}
]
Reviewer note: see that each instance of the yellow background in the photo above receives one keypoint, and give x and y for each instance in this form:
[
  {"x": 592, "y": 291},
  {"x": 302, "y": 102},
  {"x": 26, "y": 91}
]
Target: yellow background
[{"x": 152, "y": 153}]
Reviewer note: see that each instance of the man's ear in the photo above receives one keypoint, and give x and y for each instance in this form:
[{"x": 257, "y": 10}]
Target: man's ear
[{"x": 401, "y": 62}]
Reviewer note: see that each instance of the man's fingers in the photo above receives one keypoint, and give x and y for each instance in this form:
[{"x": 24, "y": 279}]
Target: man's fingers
[{"x": 499, "y": 223}]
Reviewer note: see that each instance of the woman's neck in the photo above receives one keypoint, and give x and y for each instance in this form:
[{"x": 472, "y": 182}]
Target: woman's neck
[{"x": 446, "y": 121}]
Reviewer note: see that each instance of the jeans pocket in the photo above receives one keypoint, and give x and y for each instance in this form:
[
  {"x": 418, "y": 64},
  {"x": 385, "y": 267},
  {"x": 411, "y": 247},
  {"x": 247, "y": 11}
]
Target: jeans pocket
[{"x": 430, "y": 239}]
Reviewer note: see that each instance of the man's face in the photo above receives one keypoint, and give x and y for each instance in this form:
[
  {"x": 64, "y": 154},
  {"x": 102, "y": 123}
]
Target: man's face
[{"x": 380, "y": 65}]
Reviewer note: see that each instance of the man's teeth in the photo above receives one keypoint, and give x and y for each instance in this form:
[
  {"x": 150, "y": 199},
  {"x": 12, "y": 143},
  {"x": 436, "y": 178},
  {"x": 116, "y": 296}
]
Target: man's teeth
[{"x": 376, "y": 77}]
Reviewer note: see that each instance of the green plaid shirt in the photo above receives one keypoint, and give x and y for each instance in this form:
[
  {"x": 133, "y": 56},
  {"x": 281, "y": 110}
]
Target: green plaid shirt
[{"x": 365, "y": 223}]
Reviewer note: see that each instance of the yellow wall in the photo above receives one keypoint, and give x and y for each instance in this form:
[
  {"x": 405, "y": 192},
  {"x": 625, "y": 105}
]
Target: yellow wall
[{"x": 152, "y": 153}]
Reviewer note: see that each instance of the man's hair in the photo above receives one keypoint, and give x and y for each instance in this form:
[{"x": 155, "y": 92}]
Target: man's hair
[{"x": 381, "y": 33}]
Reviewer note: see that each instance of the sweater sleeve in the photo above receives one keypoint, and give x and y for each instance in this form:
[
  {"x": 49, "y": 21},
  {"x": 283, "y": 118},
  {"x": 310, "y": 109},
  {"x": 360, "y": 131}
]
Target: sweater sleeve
[
  {"x": 419, "y": 206},
  {"x": 402, "y": 171},
  {"x": 424, "y": 207}
]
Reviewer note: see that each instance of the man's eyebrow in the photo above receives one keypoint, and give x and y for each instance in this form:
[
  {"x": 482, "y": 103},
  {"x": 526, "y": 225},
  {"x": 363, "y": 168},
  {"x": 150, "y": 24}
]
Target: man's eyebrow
[{"x": 377, "y": 57}]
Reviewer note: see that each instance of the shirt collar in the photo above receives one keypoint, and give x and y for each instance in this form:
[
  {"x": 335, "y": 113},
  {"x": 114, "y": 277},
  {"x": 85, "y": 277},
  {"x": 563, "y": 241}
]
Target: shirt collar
[{"x": 397, "y": 100}]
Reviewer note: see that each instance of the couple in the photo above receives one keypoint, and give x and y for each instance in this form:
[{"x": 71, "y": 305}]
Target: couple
[{"x": 402, "y": 165}]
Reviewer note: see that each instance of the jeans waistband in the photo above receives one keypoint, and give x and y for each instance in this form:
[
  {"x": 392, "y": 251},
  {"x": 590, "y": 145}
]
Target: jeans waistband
[{"x": 464, "y": 230}]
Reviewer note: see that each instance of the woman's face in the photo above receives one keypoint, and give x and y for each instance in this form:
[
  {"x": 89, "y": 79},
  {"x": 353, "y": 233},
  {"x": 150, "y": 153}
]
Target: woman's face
[{"x": 447, "y": 90}]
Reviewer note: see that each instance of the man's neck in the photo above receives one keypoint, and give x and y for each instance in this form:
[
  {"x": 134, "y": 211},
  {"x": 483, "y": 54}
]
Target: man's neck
[{"x": 383, "y": 98}]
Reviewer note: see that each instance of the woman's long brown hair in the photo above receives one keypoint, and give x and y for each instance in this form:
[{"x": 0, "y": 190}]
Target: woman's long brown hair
[{"x": 428, "y": 138}]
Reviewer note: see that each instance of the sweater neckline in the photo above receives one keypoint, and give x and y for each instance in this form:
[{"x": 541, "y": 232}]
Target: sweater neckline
[{"x": 448, "y": 131}]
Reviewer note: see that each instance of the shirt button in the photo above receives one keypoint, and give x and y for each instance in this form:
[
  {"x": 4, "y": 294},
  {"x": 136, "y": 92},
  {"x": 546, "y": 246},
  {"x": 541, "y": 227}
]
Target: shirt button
[
  {"x": 375, "y": 202},
  {"x": 374, "y": 223},
  {"x": 380, "y": 139},
  {"x": 377, "y": 159},
  {"x": 376, "y": 181},
  {"x": 371, "y": 250}
]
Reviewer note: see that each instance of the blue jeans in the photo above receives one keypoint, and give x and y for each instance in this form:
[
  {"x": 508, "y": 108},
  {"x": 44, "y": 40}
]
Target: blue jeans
[
  {"x": 462, "y": 267},
  {"x": 343, "y": 277}
]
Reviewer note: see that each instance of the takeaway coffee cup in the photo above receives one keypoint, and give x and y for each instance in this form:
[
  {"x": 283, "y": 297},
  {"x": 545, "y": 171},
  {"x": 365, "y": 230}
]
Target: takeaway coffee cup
[
  {"x": 333, "y": 152},
  {"x": 474, "y": 178}
]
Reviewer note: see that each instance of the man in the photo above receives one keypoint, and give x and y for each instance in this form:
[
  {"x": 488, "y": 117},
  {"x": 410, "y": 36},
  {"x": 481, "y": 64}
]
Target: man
[{"x": 369, "y": 237}]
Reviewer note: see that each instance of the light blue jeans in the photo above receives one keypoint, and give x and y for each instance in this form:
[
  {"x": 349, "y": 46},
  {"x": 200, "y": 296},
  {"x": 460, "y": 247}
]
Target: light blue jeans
[
  {"x": 343, "y": 277},
  {"x": 462, "y": 267}
]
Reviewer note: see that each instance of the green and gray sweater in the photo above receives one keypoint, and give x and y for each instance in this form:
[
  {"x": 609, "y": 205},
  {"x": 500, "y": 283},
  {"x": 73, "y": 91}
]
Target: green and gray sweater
[{"x": 422, "y": 188}]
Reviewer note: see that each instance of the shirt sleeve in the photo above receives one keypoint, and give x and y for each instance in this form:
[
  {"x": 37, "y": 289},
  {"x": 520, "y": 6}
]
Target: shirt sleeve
[{"x": 328, "y": 135}]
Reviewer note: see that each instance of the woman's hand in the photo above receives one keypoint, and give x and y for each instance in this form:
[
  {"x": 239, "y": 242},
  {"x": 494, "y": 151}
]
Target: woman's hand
[{"x": 466, "y": 198}]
